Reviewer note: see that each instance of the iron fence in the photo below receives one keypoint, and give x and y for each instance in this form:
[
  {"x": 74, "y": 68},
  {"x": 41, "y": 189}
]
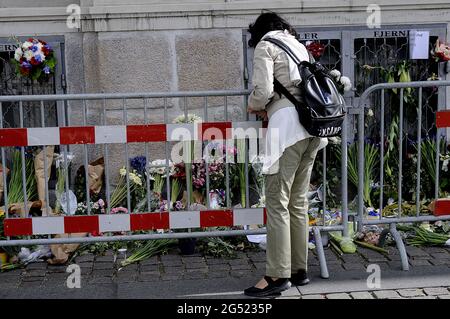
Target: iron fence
[{"x": 401, "y": 147}]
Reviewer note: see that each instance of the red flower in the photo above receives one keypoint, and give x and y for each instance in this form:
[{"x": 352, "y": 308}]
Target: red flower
[
  {"x": 316, "y": 49},
  {"x": 33, "y": 61},
  {"x": 96, "y": 233},
  {"x": 24, "y": 71}
]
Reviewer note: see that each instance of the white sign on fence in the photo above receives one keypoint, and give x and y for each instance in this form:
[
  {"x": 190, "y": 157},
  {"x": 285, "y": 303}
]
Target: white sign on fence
[{"x": 419, "y": 42}]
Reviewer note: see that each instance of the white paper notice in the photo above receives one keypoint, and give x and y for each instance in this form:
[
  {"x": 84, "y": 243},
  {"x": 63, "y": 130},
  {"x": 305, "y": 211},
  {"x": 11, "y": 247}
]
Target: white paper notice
[{"x": 419, "y": 44}]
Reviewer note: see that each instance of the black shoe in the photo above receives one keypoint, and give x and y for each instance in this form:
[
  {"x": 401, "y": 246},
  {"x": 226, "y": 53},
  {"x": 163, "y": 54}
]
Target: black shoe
[
  {"x": 300, "y": 278},
  {"x": 274, "y": 287}
]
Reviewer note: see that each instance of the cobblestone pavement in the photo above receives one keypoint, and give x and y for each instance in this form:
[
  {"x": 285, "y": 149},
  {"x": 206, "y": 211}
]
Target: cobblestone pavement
[{"x": 201, "y": 275}]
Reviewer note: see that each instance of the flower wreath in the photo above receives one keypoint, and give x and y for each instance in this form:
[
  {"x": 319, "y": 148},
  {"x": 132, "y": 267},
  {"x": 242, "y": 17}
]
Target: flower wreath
[{"x": 34, "y": 59}]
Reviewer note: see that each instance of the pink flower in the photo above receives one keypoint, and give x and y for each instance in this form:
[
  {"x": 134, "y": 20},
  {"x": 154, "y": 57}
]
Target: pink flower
[{"x": 119, "y": 210}]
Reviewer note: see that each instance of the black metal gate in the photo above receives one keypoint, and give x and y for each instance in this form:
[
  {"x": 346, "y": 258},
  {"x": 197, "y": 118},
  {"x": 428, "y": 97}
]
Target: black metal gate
[{"x": 366, "y": 55}]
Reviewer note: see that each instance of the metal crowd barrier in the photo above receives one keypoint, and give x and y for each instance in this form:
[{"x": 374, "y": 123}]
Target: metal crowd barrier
[
  {"x": 29, "y": 230},
  {"x": 40, "y": 230},
  {"x": 442, "y": 120}
]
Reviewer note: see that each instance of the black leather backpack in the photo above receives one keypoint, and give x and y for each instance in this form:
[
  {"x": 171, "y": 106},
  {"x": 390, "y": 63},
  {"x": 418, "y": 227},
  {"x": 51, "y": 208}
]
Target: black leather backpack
[{"x": 322, "y": 108}]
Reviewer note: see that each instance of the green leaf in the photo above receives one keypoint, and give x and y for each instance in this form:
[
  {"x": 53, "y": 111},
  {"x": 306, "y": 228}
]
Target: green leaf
[{"x": 51, "y": 63}]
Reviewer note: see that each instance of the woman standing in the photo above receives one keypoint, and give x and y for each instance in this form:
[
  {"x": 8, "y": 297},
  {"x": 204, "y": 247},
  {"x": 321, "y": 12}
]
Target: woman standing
[{"x": 289, "y": 156}]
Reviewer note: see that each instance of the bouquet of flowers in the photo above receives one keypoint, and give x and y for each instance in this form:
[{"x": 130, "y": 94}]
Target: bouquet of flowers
[
  {"x": 61, "y": 194},
  {"x": 343, "y": 83},
  {"x": 188, "y": 148},
  {"x": 217, "y": 198},
  {"x": 316, "y": 48},
  {"x": 138, "y": 163},
  {"x": 97, "y": 207},
  {"x": 120, "y": 192},
  {"x": 158, "y": 170},
  {"x": 15, "y": 191},
  {"x": 34, "y": 59},
  {"x": 257, "y": 166},
  {"x": 441, "y": 51}
]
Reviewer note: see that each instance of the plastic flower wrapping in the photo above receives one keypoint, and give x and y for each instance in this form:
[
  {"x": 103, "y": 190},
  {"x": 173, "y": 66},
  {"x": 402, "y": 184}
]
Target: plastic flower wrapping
[
  {"x": 316, "y": 216},
  {"x": 34, "y": 59}
]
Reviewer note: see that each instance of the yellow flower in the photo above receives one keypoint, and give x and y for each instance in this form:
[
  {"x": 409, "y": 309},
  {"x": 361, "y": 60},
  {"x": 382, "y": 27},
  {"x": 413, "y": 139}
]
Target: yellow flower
[{"x": 135, "y": 179}]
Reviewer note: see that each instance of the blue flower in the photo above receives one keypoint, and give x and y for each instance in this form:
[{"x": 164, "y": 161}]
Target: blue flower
[
  {"x": 38, "y": 58},
  {"x": 46, "y": 70},
  {"x": 34, "y": 48},
  {"x": 26, "y": 64},
  {"x": 138, "y": 163}
]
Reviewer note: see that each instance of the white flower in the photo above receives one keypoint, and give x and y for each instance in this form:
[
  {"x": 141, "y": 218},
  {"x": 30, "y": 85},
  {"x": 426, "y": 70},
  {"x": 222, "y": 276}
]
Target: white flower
[
  {"x": 261, "y": 202},
  {"x": 28, "y": 55},
  {"x": 159, "y": 167},
  {"x": 346, "y": 83},
  {"x": 191, "y": 118},
  {"x": 123, "y": 171},
  {"x": 370, "y": 112},
  {"x": 445, "y": 165},
  {"x": 18, "y": 54},
  {"x": 41, "y": 55},
  {"x": 334, "y": 140},
  {"x": 26, "y": 45},
  {"x": 60, "y": 159},
  {"x": 135, "y": 178},
  {"x": 335, "y": 74}
]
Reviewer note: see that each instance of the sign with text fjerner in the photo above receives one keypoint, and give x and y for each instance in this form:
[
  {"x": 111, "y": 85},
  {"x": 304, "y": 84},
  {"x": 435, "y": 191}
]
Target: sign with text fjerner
[
  {"x": 7, "y": 47},
  {"x": 419, "y": 42}
]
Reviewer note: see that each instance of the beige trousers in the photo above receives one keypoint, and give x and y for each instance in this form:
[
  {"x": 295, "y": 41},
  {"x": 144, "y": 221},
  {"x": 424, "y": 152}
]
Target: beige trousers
[{"x": 287, "y": 209}]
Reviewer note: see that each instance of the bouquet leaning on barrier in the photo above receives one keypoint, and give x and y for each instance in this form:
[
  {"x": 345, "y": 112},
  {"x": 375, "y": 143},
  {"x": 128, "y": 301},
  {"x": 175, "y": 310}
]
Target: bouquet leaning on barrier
[{"x": 16, "y": 196}]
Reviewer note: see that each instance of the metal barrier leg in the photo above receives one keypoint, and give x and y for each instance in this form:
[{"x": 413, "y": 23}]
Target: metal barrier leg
[
  {"x": 400, "y": 246},
  {"x": 321, "y": 254}
]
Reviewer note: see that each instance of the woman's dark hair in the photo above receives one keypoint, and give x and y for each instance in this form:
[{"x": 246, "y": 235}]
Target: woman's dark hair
[{"x": 268, "y": 21}]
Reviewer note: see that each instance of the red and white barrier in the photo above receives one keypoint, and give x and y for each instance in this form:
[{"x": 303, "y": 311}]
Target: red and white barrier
[
  {"x": 123, "y": 133},
  {"x": 133, "y": 222}
]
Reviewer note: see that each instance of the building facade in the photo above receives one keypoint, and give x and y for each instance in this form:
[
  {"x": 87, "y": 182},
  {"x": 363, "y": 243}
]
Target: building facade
[{"x": 191, "y": 45}]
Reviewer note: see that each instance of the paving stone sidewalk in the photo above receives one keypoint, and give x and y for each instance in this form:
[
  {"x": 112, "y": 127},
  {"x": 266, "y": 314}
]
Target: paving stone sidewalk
[{"x": 197, "y": 276}]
